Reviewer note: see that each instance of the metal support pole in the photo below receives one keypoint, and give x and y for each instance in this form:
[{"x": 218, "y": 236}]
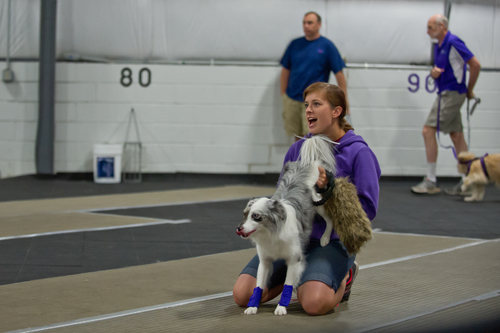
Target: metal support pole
[
  {"x": 447, "y": 9},
  {"x": 46, "y": 88}
]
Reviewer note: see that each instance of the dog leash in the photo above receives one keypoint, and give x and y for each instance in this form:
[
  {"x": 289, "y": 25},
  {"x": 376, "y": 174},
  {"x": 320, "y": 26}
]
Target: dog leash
[
  {"x": 437, "y": 127},
  {"x": 470, "y": 111},
  {"x": 477, "y": 100}
]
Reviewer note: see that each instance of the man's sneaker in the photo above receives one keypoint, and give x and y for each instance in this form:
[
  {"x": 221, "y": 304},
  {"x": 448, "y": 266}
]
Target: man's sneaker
[
  {"x": 353, "y": 272},
  {"x": 457, "y": 190},
  {"x": 426, "y": 187}
]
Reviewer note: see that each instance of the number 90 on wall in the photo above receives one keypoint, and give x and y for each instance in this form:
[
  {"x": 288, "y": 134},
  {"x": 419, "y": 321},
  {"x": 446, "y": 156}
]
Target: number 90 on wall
[
  {"x": 414, "y": 81},
  {"x": 144, "y": 78}
]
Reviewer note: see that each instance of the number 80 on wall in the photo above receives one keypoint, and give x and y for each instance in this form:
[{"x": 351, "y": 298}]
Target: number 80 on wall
[{"x": 144, "y": 77}]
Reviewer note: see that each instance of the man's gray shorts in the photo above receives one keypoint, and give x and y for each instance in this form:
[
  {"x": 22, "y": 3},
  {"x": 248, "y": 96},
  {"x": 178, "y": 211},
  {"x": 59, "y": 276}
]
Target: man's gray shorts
[{"x": 450, "y": 118}]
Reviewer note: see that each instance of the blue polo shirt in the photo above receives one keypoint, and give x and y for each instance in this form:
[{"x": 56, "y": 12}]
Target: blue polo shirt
[
  {"x": 452, "y": 55},
  {"x": 309, "y": 62}
]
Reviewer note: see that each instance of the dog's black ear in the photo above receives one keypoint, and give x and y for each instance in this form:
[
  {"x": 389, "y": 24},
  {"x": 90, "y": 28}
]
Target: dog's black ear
[{"x": 277, "y": 210}]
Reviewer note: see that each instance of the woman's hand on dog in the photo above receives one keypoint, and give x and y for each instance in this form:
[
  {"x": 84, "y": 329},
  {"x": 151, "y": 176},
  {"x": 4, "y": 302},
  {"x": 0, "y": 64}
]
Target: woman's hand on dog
[{"x": 322, "y": 180}]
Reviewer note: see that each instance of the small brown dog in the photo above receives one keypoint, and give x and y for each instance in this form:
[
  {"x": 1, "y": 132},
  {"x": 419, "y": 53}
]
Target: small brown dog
[{"x": 479, "y": 172}]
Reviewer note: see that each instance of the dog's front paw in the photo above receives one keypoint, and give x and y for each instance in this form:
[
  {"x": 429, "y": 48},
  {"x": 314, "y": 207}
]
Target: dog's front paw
[
  {"x": 280, "y": 310},
  {"x": 470, "y": 199},
  {"x": 251, "y": 310},
  {"x": 325, "y": 239}
]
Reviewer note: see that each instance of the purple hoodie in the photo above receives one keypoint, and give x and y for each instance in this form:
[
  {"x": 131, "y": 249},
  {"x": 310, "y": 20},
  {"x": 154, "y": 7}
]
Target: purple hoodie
[{"x": 356, "y": 161}]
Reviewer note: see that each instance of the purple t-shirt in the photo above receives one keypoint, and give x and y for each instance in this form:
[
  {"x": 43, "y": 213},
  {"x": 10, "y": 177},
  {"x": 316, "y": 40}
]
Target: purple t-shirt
[
  {"x": 452, "y": 56},
  {"x": 354, "y": 160}
]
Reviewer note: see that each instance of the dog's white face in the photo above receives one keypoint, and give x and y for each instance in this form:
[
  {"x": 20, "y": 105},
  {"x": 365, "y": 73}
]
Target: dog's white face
[{"x": 261, "y": 214}]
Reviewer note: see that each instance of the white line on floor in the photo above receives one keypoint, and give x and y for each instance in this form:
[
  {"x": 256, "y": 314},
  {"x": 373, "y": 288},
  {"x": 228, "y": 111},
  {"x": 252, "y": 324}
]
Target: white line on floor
[
  {"x": 227, "y": 294},
  {"x": 380, "y": 231},
  {"x": 420, "y": 255},
  {"x": 98, "y": 229},
  {"x": 123, "y": 313},
  {"x": 157, "y": 205},
  {"x": 482, "y": 297}
]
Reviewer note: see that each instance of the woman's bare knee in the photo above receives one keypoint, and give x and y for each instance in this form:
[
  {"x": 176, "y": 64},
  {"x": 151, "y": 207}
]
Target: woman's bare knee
[
  {"x": 314, "y": 307},
  {"x": 243, "y": 289},
  {"x": 317, "y": 298}
]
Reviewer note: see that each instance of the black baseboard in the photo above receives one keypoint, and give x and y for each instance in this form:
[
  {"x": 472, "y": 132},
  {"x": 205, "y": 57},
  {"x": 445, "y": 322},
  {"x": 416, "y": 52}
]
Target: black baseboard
[{"x": 267, "y": 178}]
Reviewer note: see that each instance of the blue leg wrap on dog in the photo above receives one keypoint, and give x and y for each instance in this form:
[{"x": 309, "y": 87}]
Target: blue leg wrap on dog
[
  {"x": 286, "y": 295},
  {"x": 255, "y": 299}
]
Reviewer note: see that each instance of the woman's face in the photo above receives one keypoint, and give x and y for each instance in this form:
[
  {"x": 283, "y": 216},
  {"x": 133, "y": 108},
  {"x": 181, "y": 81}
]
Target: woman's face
[{"x": 320, "y": 115}]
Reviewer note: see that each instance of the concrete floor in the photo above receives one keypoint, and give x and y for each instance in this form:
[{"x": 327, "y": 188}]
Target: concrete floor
[{"x": 408, "y": 281}]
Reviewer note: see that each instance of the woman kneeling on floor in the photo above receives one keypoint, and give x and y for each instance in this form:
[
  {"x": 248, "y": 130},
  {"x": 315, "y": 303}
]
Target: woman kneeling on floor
[{"x": 330, "y": 270}]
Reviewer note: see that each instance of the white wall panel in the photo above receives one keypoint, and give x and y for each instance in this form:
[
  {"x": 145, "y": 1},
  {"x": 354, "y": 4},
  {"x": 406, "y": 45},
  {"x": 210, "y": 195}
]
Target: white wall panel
[
  {"x": 224, "y": 125},
  {"x": 389, "y": 117},
  {"x": 115, "y": 93},
  {"x": 92, "y": 112},
  {"x": 24, "y": 131},
  {"x": 66, "y": 152},
  {"x": 168, "y": 156},
  {"x": 496, "y": 40},
  {"x": 25, "y": 91},
  {"x": 17, "y": 111},
  {"x": 7, "y": 131},
  {"x": 66, "y": 112},
  {"x": 75, "y": 92},
  {"x": 387, "y": 97},
  {"x": 488, "y": 82}
]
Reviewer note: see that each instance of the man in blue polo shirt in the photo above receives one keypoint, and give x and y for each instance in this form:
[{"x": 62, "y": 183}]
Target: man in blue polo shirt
[
  {"x": 451, "y": 58},
  {"x": 307, "y": 60}
]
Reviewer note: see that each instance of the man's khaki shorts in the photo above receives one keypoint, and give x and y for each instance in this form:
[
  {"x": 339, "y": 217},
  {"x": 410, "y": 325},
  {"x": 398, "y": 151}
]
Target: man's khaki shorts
[
  {"x": 450, "y": 118},
  {"x": 294, "y": 116}
]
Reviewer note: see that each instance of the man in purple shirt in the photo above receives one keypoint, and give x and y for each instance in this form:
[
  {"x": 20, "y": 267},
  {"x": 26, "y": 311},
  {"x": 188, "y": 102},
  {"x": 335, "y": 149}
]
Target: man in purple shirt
[{"x": 451, "y": 58}]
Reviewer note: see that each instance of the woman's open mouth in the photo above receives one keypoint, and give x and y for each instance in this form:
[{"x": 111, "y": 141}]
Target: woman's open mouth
[{"x": 311, "y": 121}]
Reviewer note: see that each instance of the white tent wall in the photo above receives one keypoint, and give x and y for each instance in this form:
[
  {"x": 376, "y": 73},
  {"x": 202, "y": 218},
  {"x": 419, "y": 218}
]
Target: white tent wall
[
  {"x": 384, "y": 32},
  {"x": 24, "y": 28},
  {"x": 479, "y": 26},
  {"x": 376, "y": 31},
  {"x": 232, "y": 30},
  {"x": 112, "y": 29}
]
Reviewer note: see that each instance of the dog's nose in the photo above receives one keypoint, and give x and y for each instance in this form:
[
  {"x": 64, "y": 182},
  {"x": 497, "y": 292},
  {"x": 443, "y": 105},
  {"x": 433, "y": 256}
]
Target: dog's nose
[{"x": 239, "y": 231}]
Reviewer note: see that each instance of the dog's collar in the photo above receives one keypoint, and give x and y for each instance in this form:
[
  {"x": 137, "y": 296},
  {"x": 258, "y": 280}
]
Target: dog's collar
[{"x": 483, "y": 165}]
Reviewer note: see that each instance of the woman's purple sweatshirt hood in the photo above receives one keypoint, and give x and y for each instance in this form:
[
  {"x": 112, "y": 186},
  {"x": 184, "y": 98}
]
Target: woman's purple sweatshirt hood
[{"x": 356, "y": 161}]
